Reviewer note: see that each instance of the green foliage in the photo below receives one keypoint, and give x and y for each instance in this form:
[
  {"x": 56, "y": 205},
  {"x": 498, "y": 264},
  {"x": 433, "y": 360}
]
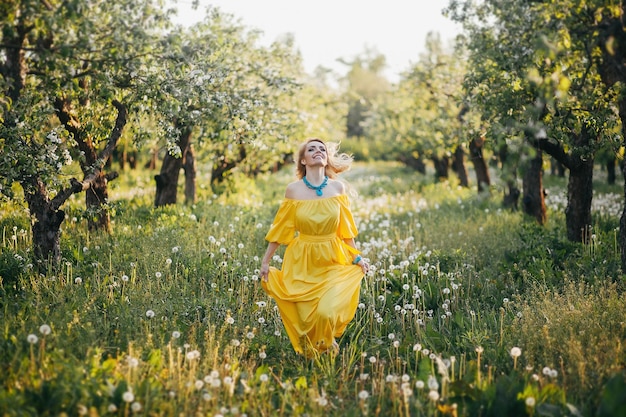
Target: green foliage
[{"x": 166, "y": 313}]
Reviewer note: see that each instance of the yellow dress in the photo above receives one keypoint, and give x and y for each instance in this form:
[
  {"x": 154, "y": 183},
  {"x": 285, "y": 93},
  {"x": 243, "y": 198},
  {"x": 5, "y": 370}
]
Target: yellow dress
[{"x": 317, "y": 289}]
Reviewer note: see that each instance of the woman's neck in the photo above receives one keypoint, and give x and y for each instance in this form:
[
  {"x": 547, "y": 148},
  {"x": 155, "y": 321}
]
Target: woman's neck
[{"x": 315, "y": 176}]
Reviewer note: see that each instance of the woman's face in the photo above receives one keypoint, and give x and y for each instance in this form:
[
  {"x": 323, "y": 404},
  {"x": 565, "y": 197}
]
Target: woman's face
[{"x": 315, "y": 154}]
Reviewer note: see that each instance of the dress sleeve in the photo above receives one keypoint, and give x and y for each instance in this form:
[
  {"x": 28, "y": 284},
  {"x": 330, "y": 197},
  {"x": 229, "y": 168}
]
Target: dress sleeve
[
  {"x": 283, "y": 228},
  {"x": 347, "y": 227}
]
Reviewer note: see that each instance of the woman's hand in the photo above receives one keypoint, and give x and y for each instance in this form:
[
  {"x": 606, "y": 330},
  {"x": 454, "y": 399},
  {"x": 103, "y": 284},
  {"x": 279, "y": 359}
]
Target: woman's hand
[
  {"x": 365, "y": 267},
  {"x": 265, "y": 271}
]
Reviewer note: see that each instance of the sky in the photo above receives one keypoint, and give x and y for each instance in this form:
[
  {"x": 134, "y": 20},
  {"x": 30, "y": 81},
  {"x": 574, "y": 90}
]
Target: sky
[{"x": 326, "y": 30}]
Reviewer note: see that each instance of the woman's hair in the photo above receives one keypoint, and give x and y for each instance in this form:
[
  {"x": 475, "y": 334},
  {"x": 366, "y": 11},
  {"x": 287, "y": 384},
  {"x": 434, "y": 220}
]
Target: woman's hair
[{"x": 337, "y": 162}]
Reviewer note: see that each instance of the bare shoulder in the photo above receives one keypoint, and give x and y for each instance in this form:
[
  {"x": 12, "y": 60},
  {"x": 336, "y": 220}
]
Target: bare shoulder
[
  {"x": 337, "y": 186},
  {"x": 293, "y": 189}
]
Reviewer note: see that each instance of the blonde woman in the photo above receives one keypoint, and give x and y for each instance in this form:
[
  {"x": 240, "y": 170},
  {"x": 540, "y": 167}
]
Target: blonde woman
[{"x": 317, "y": 288}]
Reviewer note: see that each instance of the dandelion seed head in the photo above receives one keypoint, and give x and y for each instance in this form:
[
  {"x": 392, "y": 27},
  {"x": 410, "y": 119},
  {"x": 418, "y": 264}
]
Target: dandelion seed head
[
  {"x": 32, "y": 339},
  {"x": 128, "y": 397},
  {"x": 516, "y": 352}
]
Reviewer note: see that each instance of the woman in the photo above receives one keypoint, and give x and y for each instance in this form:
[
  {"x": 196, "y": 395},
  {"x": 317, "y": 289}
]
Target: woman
[{"x": 317, "y": 290}]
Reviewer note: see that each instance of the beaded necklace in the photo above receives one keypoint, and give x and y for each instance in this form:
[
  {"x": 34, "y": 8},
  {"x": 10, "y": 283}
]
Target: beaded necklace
[{"x": 318, "y": 189}]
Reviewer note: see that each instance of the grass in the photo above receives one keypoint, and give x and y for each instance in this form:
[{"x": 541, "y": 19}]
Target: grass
[{"x": 468, "y": 310}]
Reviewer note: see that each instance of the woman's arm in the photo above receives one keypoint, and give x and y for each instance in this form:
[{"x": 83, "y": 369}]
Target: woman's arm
[
  {"x": 362, "y": 263},
  {"x": 265, "y": 263}
]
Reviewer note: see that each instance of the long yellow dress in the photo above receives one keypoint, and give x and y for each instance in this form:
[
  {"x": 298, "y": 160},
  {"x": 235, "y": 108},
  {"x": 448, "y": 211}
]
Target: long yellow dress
[{"x": 317, "y": 289}]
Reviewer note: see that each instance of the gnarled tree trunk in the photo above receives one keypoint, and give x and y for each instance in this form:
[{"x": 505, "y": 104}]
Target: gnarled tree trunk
[
  {"x": 97, "y": 195},
  {"x": 442, "y": 166},
  {"x": 579, "y": 197},
  {"x": 534, "y": 199},
  {"x": 480, "y": 166},
  {"x": 167, "y": 179},
  {"x": 459, "y": 166}
]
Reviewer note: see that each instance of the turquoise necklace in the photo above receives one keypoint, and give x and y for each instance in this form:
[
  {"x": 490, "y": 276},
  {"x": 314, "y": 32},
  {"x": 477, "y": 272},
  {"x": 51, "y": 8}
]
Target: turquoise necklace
[{"x": 318, "y": 189}]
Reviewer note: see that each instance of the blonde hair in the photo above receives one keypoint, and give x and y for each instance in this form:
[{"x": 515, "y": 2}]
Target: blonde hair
[{"x": 337, "y": 162}]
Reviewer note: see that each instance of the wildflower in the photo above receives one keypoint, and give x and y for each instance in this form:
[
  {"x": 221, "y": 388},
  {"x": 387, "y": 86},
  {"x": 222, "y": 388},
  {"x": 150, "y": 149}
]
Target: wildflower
[
  {"x": 479, "y": 349},
  {"x": 432, "y": 383},
  {"x": 364, "y": 377},
  {"x": 396, "y": 344},
  {"x": 516, "y": 352},
  {"x": 199, "y": 384},
  {"x": 32, "y": 339},
  {"x": 125, "y": 278},
  {"x": 261, "y": 320},
  {"x": 175, "y": 249},
  {"x": 530, "y": 401},
  {"x": 128, "y": 397},
  {"x": 136, "y": 406},
  {"x": 372, "y": 359},
  {"x": 149, "y": 314},
  {"x": 391, "y": 336},
  {"x": 193, "y": 354},
  {"x": 82, "y": 410},
  {"x": 433, "y": 395},
  {"x": 230, "y": 320},
  {"x": 44, "y": 329},
  {"x": 363, "y": 395},
  {"x": 158, "y": 274},
  {"x": 261, "y": 304},
  {"x": 262, "y": 355},
  {"x": 406, "y": 378},
  {"x": 419, "y": 384},
  {"x": 175, "y": 334},
  {"x": 78, "y": 280},
  {"x": 133, "y": 362},
  {"x": 250, "y": 335},
  {"x": 417, "y": 347},
  {"x": 235, "y": 342},
  {"x": 264, "y": 378},
  {"x": 168, "y": 261},
  {"x": 112, "y": 408}
]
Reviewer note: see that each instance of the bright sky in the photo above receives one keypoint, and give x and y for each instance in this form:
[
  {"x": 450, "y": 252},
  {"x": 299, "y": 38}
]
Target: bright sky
[{"x": 326, "y": 30}]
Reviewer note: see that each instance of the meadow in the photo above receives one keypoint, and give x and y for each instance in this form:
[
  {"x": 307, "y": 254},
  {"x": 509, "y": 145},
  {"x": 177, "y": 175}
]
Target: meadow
[{"x": 468, "y": 310}]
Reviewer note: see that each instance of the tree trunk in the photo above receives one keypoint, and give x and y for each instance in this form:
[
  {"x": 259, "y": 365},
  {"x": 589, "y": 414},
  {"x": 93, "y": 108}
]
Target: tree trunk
[
  {"x": 509, "y": 175},
  {"x": 189, "y": 167},
  {"x": 579, "y": 197},
  {"x": 611, "y": 164},
  {"x": 46, "y": 228},
  {"x": 415, "y": 163},
  {"x": 534, "y": 199},
  {"x": 511, "y": 196},
  {"x": 459, "y": 166},
  {"x": 97, "y": 195},
  {"x": 48, "y": 218},
  {"x": 167, "y": 179},
  {"x": 442, "y": 166},
  {"x": 480, "y": 166}
]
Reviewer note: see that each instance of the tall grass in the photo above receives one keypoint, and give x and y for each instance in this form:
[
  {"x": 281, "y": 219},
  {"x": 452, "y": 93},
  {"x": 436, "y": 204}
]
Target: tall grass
[{"x": 468, "y": 310}]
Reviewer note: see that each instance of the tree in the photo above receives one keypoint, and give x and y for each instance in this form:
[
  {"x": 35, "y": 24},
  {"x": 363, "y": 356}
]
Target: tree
[
  {"x": 73, "y": 64},
  {"x": 214, "y": 83},
  {"x": 534, "y": 77},
  {"x": 419, "y": 119}
]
